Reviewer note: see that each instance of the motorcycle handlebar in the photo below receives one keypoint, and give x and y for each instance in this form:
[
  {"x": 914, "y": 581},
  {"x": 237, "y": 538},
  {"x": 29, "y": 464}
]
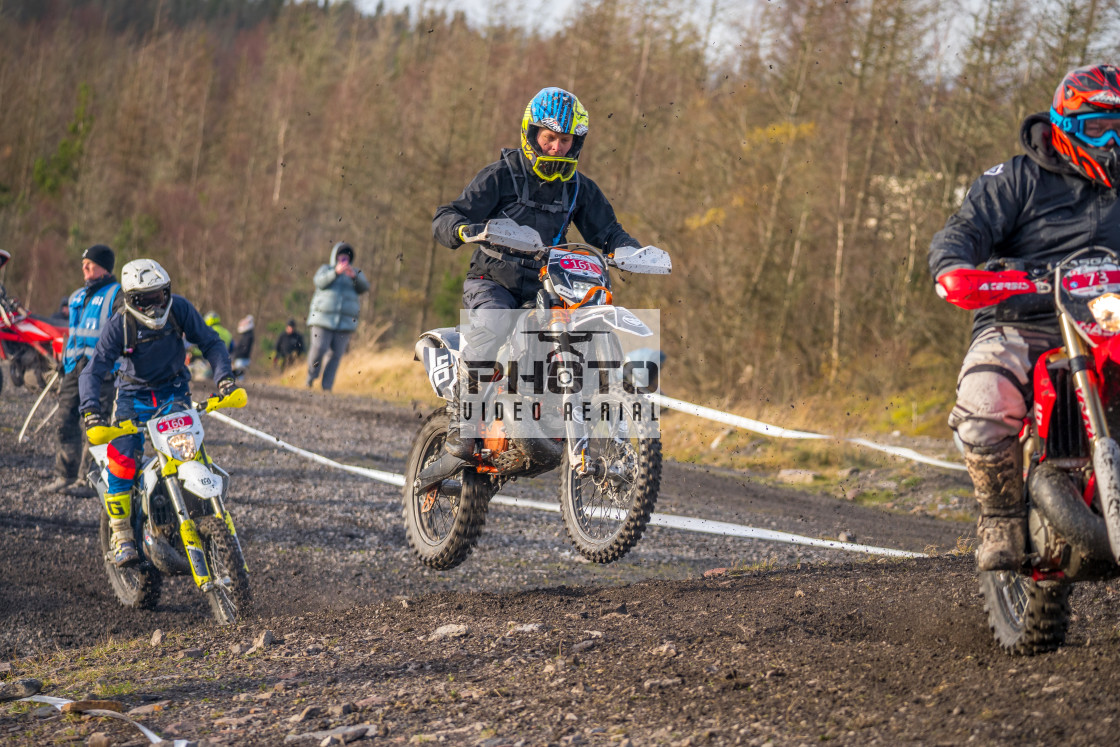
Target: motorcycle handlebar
[
  {"x": 237, "y": 398},
  {"x": 103, "y": 434}
]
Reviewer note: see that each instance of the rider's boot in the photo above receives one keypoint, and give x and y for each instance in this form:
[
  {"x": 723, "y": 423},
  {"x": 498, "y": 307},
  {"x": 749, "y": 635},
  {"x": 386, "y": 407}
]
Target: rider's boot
[
  {"x": 119, "y": 506},
  {"x": 997, "y": 477},
  {"x": 455, "y": 444}
]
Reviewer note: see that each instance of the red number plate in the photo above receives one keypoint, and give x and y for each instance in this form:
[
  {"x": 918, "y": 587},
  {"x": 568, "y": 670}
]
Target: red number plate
[
  {"x": 581, "y": 266},
  {"x": 174, "y": 424}
]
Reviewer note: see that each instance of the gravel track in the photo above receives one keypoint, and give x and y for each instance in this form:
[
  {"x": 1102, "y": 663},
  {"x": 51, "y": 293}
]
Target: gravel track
[{"x": 795, "y": 646}]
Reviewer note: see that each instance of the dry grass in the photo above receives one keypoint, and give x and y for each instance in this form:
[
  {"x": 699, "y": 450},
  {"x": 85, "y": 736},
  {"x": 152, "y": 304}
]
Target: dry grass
[{"x": 388, "y": 374}]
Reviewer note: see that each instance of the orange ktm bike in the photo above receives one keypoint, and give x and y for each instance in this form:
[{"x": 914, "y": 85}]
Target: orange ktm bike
[{"x": 558, "y": 393}]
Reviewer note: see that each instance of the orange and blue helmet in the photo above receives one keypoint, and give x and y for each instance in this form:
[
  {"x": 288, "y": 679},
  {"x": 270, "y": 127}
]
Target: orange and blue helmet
[
  {"x": 557, "y": 110},
  {"x": 1085, "y": 116}
]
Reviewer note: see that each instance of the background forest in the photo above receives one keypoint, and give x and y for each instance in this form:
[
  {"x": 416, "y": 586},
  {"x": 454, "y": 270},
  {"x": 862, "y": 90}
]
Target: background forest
[{"x": 796, "y": 179}]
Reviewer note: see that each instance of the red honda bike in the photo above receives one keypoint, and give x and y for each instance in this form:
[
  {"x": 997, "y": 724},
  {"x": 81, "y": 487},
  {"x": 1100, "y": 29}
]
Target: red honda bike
[
  {"x": 1071, "y": 460},
  {"x": 20, "y": 326}
]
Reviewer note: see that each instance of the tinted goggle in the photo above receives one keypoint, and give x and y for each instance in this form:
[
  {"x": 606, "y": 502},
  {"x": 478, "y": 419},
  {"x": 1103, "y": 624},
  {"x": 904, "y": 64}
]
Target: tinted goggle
[
  {"x": 1096, "y": 129},
  {"x": 145, "y": 300},
  {"x": 551, "y": 168}
]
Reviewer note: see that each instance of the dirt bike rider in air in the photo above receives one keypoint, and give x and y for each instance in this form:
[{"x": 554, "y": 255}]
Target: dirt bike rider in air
[
  {"x": 147, "y": 336},
  {"x": 537, "y": 186},
  {"x": 1038, "y": 208}
]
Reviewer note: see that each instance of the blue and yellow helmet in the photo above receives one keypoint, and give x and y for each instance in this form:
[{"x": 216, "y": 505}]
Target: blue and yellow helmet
[{"x": 559, "y": 111}]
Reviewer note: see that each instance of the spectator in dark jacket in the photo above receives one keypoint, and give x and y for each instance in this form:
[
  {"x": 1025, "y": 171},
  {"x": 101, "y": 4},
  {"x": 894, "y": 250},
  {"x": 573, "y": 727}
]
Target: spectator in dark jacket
[
  {"x": 289, "y": 346},
  {"x": 242, "y": 348},
  {"x": 334, "y": 313}
]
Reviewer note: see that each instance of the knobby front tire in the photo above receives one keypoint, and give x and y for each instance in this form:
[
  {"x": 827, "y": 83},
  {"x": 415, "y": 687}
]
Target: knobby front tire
[
  {"x": 223, "y": 556},
  {"x": 1025, "y": 617},
  {"x": 607, "y": 508}
]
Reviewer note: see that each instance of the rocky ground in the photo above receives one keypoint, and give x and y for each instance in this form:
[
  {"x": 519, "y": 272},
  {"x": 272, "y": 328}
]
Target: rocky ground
[{"x": 524, "y": 643}]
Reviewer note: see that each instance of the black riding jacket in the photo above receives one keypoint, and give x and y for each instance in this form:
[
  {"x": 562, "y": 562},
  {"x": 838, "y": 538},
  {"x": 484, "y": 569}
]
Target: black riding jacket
[
  {"x": 1035, "y": 208},
  {"x": 507, "y": 188}
]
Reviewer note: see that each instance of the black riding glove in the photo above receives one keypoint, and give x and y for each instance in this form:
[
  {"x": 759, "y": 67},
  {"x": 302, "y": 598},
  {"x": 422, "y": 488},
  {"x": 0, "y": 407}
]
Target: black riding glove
[
  {"x": 93, "y": 419},
  {"x": 469, "y": 230},
  {"x": 227, "y": 386}
]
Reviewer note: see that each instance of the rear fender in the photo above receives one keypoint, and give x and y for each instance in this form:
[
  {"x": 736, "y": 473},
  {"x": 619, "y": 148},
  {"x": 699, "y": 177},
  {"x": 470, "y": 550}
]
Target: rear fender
[{"x": 438, "y": 350}]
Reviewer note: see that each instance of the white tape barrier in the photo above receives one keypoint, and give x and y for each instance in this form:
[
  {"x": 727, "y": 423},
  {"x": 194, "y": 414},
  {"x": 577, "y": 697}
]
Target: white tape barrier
[
  {"x": 151, "y": 735},
  {"x": 390, "y": 477},
  {"x": 666, "y": 520},
  {"x": 725, "y": 529},
  {"x": 776, "y": 432}
]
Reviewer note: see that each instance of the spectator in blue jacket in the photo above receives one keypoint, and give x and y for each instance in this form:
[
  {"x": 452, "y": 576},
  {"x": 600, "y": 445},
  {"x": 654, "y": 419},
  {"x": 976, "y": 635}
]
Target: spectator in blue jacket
[
  {"x": 148, "y": 339},
  {"x": 89, "y": 308},
  {"x": 334, "y": 313}
]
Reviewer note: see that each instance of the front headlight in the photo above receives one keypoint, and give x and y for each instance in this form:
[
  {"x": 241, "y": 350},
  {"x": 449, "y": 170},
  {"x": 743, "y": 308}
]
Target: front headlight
[
  {"x": 1106, "y": 310},
  {"x": 579, "y": 291},
  {"x": 183, "y": 446}
]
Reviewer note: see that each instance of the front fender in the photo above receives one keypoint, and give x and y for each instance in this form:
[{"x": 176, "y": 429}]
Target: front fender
[{"x": 197, "y": 479}]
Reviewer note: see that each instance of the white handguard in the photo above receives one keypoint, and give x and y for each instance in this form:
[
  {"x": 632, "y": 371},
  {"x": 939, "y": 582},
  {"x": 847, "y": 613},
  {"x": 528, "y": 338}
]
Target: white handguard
[
  {"x": 511, "y": 235},
  {"x": 646, "y": 260}
]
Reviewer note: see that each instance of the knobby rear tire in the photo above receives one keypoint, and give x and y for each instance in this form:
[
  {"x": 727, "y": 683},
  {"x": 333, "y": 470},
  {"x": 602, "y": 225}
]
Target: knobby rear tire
[
  {"x": 223, "y": 556},
  {"x": 136, "y": 587},
  {"x": 1025, "y": 617},
  {"x": 444, "y": 535}
]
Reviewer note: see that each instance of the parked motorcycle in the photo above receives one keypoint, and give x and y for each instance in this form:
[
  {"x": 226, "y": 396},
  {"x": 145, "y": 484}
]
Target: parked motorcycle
[
  {"x": 610, "y": 470},
  {"x": 32, "y": 336},
  {"x": 1070, "y": 455},
  {"x": 179, "y": 515}
]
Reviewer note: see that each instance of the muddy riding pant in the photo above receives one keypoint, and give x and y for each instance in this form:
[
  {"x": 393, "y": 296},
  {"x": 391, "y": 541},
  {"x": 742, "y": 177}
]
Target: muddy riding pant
[{"x": 994, "y": 388}]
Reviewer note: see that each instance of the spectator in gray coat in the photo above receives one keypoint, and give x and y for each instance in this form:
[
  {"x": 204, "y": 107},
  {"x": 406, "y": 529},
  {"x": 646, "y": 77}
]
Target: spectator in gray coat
[{"x": 334, "y": 313}]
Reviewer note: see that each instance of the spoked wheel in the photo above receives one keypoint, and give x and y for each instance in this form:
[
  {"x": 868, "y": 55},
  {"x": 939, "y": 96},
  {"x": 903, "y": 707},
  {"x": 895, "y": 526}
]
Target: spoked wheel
[
  {"x": 230, "y": 598},
  {"x": 442, "y": 524},
  {"x": 607, "y": 499},
  {"x": 1025, "y": 616},
  {"x": 137, "y": 586}
]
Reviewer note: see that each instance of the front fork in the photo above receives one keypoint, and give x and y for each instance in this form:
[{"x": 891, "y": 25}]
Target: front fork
[
  {"x": 1080, "y": 364},
  {"x": 188, "y": 528},
  {"x": 1104, "y": 450}
]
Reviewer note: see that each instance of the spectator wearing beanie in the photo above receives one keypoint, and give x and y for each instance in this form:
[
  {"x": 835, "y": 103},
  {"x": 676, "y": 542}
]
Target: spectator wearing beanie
[{"x": 89, "y": 308}]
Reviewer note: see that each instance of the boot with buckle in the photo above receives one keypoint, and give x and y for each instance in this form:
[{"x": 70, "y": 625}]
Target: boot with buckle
[
  {"x": 997, "y": 478},
  {"x": 455, "y": 444},
  {"x": 122, "y": 542}
]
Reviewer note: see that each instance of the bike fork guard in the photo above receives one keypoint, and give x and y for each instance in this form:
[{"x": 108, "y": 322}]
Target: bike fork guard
[{"x": 188, "y": 530}]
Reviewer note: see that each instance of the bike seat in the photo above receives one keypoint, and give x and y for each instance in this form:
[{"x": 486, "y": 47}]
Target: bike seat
[{"x": 447, "y": 337}]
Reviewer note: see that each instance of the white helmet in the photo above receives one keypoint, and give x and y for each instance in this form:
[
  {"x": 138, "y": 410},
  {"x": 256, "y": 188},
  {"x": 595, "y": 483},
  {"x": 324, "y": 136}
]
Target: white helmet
[{"x": 147, "y": 292}]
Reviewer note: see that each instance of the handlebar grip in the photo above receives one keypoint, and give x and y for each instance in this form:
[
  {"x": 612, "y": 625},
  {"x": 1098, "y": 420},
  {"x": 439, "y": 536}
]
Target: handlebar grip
[
  {"x": 103, "y": 434},
  {"x": 237, "y": 398}
]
